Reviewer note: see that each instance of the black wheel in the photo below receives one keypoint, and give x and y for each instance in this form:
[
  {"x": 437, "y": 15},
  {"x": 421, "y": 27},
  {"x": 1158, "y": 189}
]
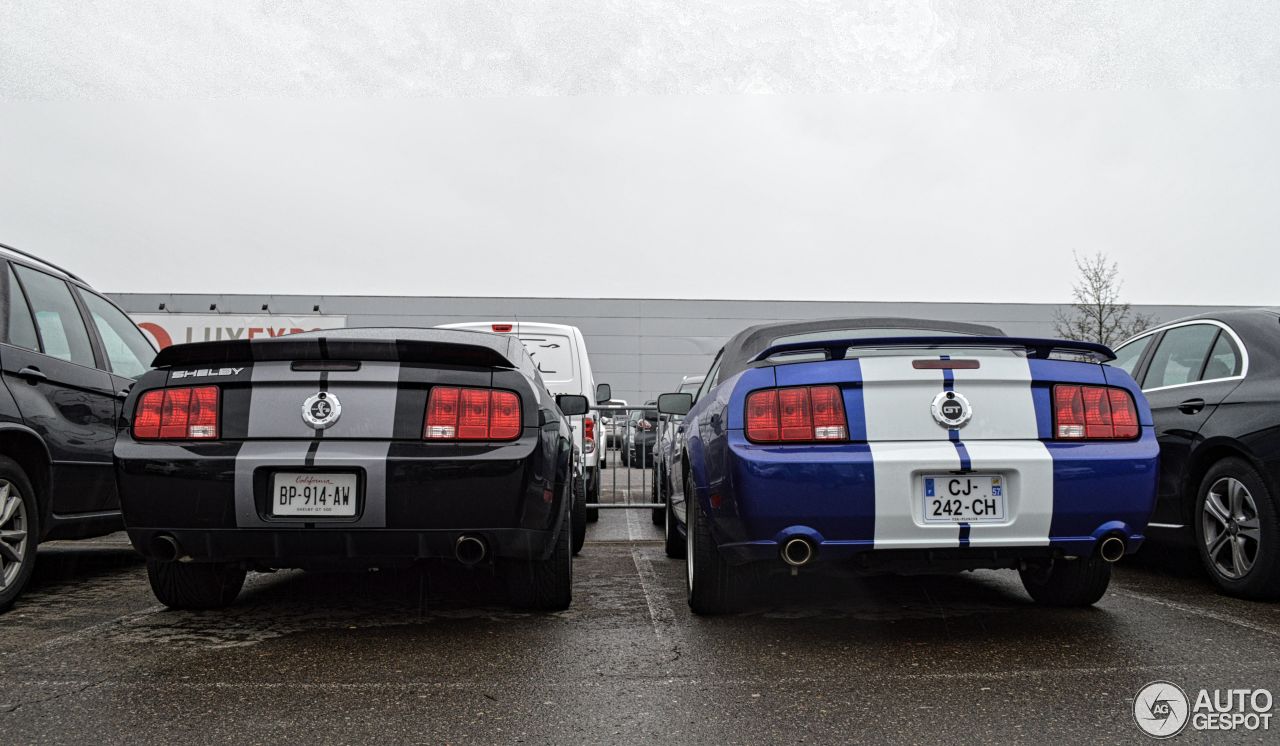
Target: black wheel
[
  {"x": 655, "y": 494},
  {"x": 19, "y": 531},
  {"x": 715, "y": 586},
  {"x": 543, "y": 585},
  {"x": 1078, "y": 582},
  {"x": 673, "y": 542},
  {"x": 195, "y": 585},
  {"x": 1237, "y": 531},
  {"x": 578, "y": 521},
  {"x": 626, "y": 457}
]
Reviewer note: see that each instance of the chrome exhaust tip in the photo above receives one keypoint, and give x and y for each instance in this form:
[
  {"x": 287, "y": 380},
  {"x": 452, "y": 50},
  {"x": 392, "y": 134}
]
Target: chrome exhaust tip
[
  {"x": 1111, "y": 549},
  {"x": 165, "y": 548},
  {"x": 797, "y": 552},
  {"x": 470, "y": 550}
]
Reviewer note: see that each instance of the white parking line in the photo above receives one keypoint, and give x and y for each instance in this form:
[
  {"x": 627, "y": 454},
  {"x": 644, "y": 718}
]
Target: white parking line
[
  {"x": 84, "y": 633},
  {"x": 1200, "y": 612},
  {"x": 660, "y": 613}
]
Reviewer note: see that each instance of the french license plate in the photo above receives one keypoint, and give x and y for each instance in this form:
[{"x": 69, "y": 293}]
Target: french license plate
[
  {"x": 312, "y": 494},
  {"x": 965, "y": 498}
]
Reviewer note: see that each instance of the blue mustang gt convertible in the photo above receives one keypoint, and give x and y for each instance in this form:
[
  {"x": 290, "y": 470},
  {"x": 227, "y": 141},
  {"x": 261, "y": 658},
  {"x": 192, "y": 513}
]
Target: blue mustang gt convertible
[
  {"x": 897, "y": 445},
  {"x": 347, "y": 449}
]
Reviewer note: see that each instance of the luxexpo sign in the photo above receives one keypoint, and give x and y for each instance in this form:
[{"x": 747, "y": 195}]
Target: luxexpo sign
[{"x": 177, "y": 328}]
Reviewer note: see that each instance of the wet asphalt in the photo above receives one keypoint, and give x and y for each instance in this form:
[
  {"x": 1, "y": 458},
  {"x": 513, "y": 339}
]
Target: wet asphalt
[{"x": 87, "y": 656}]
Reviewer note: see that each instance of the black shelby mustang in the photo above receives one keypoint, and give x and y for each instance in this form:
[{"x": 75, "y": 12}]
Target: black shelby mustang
[{"x": 352, "y": 448}]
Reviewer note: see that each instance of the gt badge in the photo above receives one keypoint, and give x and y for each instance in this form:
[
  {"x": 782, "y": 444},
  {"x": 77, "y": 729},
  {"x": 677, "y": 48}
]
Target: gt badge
[
  {"x": 321, "y": 410},
  {"x": 951, "y": 410}
]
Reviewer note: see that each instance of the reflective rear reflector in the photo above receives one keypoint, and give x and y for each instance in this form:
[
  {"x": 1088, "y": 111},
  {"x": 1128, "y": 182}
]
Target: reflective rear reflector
[{"x": 457, "y": 413}]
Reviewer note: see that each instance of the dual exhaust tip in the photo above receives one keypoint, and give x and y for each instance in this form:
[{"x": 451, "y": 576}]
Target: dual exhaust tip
[
  {"x": 1111, "y": 549},
  {"x": 468, "y": 549},
  {"x": 798, "y": 551}
]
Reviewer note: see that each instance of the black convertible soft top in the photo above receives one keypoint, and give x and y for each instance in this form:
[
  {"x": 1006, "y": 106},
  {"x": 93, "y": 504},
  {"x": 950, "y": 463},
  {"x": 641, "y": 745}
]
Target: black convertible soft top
[{"x": 742, "y": 348}]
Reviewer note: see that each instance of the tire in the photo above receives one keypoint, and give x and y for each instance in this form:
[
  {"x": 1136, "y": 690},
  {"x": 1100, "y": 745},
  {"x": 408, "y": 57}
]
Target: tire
[
  {"x": 593, "y": 495},
  {"x": 19, "y": 531},
  {"x": 1247, "y": 519},
  {"x": 714, "y": 586},
  {"x": 1078, "y": 582},
  {"x": 626, "y": 458},
  {"x": 544, "y": 585},
  {"x": 195, "y": 585},
  {"x": 673, "y": 542},
  {"x": 655, "y": 494},
  {"x": 578, "y": 521}
]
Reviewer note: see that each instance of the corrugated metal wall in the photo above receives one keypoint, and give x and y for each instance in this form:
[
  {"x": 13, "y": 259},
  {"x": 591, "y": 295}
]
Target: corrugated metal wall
[{"x": 640, "y": 347}]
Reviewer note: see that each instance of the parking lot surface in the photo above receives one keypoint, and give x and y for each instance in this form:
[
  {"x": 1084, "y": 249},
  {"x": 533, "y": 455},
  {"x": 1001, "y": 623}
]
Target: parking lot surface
[{"x": 88, "y": 656}]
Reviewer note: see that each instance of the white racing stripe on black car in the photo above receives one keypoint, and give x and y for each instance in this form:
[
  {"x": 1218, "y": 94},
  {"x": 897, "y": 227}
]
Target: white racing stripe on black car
[
  {"x": 368, "y": 398},
  {"x": 370, "y": 457}
]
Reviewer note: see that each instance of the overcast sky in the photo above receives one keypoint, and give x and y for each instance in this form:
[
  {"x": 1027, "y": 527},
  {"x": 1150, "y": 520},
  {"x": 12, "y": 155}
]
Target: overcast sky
[{"x": 895, "y": 151}]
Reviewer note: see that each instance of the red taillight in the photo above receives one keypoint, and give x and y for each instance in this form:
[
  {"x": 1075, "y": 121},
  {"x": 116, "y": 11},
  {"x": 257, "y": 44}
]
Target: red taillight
[
  {"x": 183, "y": 413},
  {"x": 588, "y": 428},
  {"x": 455, "y": 413},
  {"x": 501, "y": 327},
  {"x": 1093, "y": 412},
  {"x": 800, "y": 414}
]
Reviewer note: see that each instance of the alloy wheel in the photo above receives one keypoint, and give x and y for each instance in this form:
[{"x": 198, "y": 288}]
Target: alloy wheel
[
  {"x": 13, "y": 533},
  {"x": 1232, "y": 531}
]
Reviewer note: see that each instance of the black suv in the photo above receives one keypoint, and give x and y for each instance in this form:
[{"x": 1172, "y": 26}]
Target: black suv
[{"x": 69, "y": 356}]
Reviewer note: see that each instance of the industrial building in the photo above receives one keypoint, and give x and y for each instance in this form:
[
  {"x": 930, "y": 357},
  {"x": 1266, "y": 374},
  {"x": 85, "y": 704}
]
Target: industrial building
[{"x": 640, "y": 347}]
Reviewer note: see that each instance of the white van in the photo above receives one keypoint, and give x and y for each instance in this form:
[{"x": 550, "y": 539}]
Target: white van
[{"x": 560, "y": 353}]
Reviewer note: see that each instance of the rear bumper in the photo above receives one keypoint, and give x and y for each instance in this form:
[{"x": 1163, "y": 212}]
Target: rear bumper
[
  {"x": 849, "y": 499},
  {"x": 414, "y": 501}
]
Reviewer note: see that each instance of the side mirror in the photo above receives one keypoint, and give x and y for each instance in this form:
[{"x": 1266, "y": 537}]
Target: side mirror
[
  {"x": 572, "y": 404},
  {"x": 675, "y": 403},
  {"x": 604, "y": 392}
]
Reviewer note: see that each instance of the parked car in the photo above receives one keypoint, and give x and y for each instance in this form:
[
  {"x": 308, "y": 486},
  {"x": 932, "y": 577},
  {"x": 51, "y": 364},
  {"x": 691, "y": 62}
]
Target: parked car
[
  {"x": 668, "y": 429},
  {"x": 641, "y": 438},
  {"x": 900, "y": 445},
  {"x": 1213, "y": 382},
  {"x": 68, "y": 354},
  {"x": 347, "y": 448},
  {"x": 614, "y": 423},
  {"x": 560, "y": 353}
]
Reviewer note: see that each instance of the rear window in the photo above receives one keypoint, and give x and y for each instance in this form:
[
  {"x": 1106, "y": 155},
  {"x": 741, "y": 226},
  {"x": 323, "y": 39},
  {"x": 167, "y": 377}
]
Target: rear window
[{"x": 553, "y": 354}]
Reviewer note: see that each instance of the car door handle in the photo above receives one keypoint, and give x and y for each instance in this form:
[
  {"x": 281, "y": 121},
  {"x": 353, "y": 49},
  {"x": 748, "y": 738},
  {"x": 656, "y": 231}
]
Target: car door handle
[
  {"x": 1191, "y": 406},
  {"x": 32, "y": 374},
  {"x": 122, "y": 394}
]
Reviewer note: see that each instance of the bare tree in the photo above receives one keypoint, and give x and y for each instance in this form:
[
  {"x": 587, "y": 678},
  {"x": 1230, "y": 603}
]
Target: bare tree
[{"x": 1097, "y": 315}]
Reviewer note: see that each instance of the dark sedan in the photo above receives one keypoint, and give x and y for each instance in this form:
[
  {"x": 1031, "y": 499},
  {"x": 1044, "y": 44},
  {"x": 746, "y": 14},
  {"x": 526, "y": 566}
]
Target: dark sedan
[{"x": 1213, "y": 382}]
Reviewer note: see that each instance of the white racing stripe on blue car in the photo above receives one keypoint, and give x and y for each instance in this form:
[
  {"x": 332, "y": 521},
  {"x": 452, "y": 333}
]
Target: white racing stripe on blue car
[{"x": 1002, "y": 438}]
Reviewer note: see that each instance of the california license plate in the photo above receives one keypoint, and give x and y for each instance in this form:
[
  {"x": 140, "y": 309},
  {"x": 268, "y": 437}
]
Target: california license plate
[
  {"x": 311, "y": 494},
  {"x": 965, "y": 498}
]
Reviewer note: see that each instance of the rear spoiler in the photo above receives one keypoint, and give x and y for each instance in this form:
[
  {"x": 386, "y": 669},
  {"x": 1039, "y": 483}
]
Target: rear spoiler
[
  {"x": 1039, "y": 349},
  {"x": 312, "y": 347}
]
